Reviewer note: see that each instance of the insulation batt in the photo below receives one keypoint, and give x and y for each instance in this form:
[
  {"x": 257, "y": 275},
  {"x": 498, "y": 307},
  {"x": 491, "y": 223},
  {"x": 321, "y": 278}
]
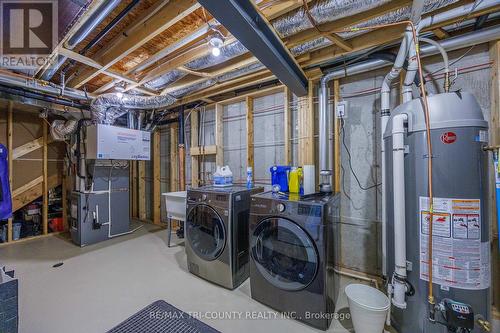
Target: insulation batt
[{"x": 322, "y": 12}]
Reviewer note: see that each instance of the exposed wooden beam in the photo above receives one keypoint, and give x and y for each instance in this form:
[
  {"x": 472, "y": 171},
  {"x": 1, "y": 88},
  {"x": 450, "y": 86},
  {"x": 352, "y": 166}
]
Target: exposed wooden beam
[
  {"x": 10, "y": 138},
  {"x": 250, "y": 134},
  {"x": 441, "y": 33},
  {"x": 29, "y": 147},
  {"x": 169, "y": 65},
  {"x": 174, "y": 157},
  {"x": 206, "y": 150},
  {"x": 219, "y": 88},
  {"x": 494, "y": 131},
  {"x": 142, "y": 189},
  {"x": 167, "y": 16},
  {"x": 278, "y": 8},
  {"x": 345, "y": 22},
  {"x": 156, "y": 178},
  {"x": 196, "y": 73},
  {"x": 306, "y": 127},
  {"x": 29, "y": 185},
  {"x": 287, "y": 122},
  {"x": 94, "y": 5},
  {"x": 219, "y": 134},
  {"x": 337, "y": 40},
  {"x": 90, "y": 62},
  {"x": 245, "y": 62},
  {"x": 45, "y": 184},
  {"x": 195, "y": 172},
  {"x": 35, "y": 190},
  {"x": 270, "y": 12}
]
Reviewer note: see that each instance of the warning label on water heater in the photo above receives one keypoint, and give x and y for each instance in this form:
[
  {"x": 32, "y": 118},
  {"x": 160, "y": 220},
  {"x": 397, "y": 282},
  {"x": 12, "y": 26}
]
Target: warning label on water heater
[{"x": 460, "y": 260}]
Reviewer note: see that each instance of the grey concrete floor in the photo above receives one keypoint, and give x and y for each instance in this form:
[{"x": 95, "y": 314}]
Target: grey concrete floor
[{"x": 99, "y": 286}]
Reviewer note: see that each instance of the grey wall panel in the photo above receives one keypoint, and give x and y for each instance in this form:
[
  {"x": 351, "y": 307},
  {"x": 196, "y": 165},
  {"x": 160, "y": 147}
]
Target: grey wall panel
[
  {"x": 235, "y": 140},
  {"x": 268, "y": 136}
]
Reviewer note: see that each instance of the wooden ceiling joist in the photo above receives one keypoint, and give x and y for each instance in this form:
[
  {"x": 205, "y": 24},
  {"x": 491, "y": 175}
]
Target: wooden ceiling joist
[
  {"x": 163, "y": 53},
  {"x": 175, "y": 55},
  {"x": 345, "y": 22},
  {"x": 171, "y": 13}
]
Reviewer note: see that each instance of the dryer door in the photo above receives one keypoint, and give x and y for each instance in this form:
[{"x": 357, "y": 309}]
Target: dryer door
[
  {"x": 284, "y": 254},
  {"x": 205, "y": 232}
]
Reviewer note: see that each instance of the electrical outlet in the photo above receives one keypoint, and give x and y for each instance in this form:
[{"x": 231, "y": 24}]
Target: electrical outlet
[{"x": 341, "y": 109}]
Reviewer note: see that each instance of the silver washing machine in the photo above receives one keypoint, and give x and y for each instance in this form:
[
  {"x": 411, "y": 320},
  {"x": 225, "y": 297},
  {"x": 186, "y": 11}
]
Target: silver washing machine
[
  {"x": 217, "y": 233},
  {"x": 292, "y": 241}
]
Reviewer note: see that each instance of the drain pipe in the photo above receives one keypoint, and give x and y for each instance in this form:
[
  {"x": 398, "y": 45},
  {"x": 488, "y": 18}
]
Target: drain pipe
[
  {"x": 398, "y": 152},
  {"x": 384, "y": 118},
  {"x": 93, "y": 21},
  {"x": 325, "y": 130},
  {"x": 411, "y": 71},
  {"x": 182, "y": 152}
]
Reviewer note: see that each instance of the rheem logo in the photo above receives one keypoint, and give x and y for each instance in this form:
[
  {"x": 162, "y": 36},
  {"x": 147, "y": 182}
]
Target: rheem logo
[
  {"x": 448, "y": 138},
  {"x": 28, "y": 32}
]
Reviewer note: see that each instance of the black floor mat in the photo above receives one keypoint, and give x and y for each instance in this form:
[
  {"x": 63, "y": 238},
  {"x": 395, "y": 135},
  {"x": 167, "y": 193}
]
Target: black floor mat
[{"x": 161, "y": 317}]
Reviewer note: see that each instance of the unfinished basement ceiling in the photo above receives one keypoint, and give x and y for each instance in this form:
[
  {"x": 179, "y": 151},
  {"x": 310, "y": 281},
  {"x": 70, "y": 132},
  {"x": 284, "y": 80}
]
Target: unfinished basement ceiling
[{"x": 175, "y": 58}]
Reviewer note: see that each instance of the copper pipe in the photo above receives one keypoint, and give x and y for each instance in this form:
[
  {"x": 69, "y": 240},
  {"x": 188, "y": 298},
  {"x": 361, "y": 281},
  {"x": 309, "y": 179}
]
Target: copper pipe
[{"x": 429, "y": 143}]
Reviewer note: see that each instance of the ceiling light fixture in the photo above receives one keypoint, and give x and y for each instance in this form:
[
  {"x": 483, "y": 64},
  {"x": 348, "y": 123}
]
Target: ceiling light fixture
[{"x": 216, "y": 43}]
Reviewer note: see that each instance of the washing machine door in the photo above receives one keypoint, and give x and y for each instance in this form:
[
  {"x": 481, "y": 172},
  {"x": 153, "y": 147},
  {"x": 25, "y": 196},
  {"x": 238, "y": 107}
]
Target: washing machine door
[
  {"x": 284, "y": 254},
  {"x": 205, "y": 232}
]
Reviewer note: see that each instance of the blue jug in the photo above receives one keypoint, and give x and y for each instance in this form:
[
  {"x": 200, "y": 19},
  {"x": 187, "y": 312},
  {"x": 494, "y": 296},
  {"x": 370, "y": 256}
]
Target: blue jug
[{"x": 279, "y": 177}]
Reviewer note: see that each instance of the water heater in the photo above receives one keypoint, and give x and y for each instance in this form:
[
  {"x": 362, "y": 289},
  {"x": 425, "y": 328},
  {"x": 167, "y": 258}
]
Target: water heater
[{"x": 461, "y": 248}]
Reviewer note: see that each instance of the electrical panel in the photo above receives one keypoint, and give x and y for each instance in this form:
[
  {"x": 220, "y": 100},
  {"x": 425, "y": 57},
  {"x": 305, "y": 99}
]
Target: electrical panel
[{"x": 106, "y": 142}]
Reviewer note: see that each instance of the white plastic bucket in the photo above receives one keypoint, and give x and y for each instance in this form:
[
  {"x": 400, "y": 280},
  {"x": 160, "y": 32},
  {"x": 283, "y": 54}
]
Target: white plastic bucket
[{"x": 368, "y": 308}]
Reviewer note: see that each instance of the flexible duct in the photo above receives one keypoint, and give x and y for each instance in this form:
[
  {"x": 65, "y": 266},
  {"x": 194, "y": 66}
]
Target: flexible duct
[
  {"x": 322, "y": 12},
  {"x": 219, "y": 79},
  {"x": 107, "y": 107},
  {"x": 446, "y": 62},
  {"x": 60, "y": 130},
  {"x": 89, "y": 26}
]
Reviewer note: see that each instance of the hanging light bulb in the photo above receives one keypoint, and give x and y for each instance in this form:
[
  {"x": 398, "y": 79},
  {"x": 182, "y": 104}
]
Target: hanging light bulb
[
  {"x": 215, "y": 51},
  {"x": 216, "y": 43}
]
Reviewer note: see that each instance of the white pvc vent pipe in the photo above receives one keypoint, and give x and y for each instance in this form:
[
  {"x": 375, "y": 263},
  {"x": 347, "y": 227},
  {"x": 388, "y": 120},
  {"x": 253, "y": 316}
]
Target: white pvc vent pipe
[{"x": 398, "y": 179}]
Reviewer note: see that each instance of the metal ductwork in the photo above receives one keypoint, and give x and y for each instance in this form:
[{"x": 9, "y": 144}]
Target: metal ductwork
[
  {"x": 83, "y": 32},
  {"x": 450, "y": 44},
  {"x": 17, "y": 80},
  {"x": 60, "y": 130},
  {"x": 107, "y": 107}
]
